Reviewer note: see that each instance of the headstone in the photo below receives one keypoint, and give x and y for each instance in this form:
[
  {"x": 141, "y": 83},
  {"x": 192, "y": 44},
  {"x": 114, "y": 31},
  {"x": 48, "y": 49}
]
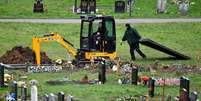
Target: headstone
[
  {"x": 120, "y": 6},
  {"x": 194, "y": 96},
  {"x": 184, "y": 95},
  {"x": 84, "y": 6},
  {"x": 102, "y": 71},
  {"x": 134, "y": 75},
  {"x": 38, "y": 6},
  {"x": 88, "y": 6},
  {"x": 70, "y": 98},
  {"x": 161, "y": 6},
  {"x": 92, "y": 6},
  {"x": 1, "y": 76},
  {"x": 184, "y": 84},
  {"x": 34, "y": 90},
  {"x": 24, "y": 93},
  {"x": 14, "y": 90},
  {"x": 151, "y": 87},
  {"x": 169, "y": 98},
  {"x": 46, "y": 97},
  {"x": 75, "y": 6},
  {"x": 52, "y": 97},
  {"x": 183, "y": 7},
  {"x": 61, "y": 96}
]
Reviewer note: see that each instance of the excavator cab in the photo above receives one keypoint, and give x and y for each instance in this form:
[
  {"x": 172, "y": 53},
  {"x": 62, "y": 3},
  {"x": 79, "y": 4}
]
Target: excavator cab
[{"x": 97, "y": 37}]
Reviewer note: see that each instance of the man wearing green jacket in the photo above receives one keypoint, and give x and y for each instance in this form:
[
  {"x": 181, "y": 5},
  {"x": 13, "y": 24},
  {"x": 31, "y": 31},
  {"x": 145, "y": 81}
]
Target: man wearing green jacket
[{"x": 133, "y": 37}]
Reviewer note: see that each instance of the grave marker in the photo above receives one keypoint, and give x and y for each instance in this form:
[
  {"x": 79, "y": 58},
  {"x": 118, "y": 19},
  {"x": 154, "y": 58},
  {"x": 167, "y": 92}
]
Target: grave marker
[
  {"x": 34, "y": 91},
  {"x": 102, "y": 70},
  {"x": 14, "y": 90},
  {"x": 52, "y": 97},
  {"x": 46, "y": 97},
  {"x": 151, "y": 86},
  {"x": 38, "y": 6},
  {"x": 92, "y": 6},
  {"x": 120, "y": 6},
  {"x": 88, "y": 6},
  {"x": 134, "y": 75},
  {"x": 1, "y": 76},
  {"x": 61, "y": 96},
  {"x": 24, "y": 93},
  {"x": 84, "y": 6},
  {"x": 184, "y": 84},
  {"x": 184, "y": 95},
  {"x": 194, "y": 96},
  {"x": 183, "y": 7},
  {"x": 161, "y": 6}
]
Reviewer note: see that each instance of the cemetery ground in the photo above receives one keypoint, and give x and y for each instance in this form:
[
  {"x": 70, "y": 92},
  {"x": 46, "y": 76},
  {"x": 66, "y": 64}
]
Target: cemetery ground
[
  {"x": 63, "y": 9},
  {"x": 182, "y": 37}
]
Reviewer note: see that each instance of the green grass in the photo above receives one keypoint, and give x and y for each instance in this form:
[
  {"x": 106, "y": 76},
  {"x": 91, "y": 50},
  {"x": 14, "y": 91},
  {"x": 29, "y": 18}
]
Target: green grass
[
  {"x": 182, "y": 37},
  {"x": 107, "y": 92},
  {"x": 63, "y": 9}
]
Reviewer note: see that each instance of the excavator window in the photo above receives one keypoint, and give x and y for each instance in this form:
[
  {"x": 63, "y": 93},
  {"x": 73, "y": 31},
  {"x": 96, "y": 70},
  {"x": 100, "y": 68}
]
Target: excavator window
[
  {"x": 98, "y": 35},
  {"x": 84, "y": 40},
  {"x": 109, "y": 27}
]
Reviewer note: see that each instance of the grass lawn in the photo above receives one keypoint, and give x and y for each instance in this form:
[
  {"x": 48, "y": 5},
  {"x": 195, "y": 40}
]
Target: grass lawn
[
  {"x": 109, "y": 91},
  {"x": 63, "y": 9},
  {"x": 182, "y": 37}
]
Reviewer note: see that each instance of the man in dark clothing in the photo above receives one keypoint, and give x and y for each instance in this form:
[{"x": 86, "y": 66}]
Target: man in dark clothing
[
  {"x": 98, "y": 37},
  {"x": 133, "y": 37}
]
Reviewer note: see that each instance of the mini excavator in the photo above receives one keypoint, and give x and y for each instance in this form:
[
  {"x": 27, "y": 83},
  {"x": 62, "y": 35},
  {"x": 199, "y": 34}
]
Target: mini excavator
[{"x": 97, "y": 40}]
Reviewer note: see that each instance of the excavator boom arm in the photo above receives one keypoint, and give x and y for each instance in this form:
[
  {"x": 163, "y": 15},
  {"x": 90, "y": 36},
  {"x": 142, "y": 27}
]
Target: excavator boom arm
[{"x": 50, "y": 38}]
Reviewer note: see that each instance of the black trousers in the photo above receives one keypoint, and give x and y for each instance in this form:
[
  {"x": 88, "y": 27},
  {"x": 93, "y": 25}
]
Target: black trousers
[{"x": 133, "y": 47}]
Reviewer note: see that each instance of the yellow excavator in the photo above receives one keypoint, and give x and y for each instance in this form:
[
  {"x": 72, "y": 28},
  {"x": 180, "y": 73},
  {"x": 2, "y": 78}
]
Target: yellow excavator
[{"x": 95, "y": 41}]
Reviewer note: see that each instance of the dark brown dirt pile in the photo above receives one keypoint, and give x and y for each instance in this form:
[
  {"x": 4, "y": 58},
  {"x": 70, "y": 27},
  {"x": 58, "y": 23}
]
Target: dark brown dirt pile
[{"x": 22, "y": 55}]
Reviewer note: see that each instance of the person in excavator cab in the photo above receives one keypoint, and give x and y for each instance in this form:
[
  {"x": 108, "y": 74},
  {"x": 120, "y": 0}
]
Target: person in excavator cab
[{"x": 98, "y": 37}]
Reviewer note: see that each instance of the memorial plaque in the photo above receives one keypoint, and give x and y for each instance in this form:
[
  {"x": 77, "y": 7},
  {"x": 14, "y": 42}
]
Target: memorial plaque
[{"x": 120, "y": 6}]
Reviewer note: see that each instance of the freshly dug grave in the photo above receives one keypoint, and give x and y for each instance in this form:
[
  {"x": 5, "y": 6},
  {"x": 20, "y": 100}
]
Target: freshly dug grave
[{"x": 22, "y": 55}]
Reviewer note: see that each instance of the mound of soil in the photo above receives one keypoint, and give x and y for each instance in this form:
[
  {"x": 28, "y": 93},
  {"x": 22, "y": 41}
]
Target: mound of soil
[{"x": 22, "y": 55}]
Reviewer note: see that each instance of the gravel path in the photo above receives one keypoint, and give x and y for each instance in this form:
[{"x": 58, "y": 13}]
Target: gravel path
[{"x": 146, "y": 20}]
